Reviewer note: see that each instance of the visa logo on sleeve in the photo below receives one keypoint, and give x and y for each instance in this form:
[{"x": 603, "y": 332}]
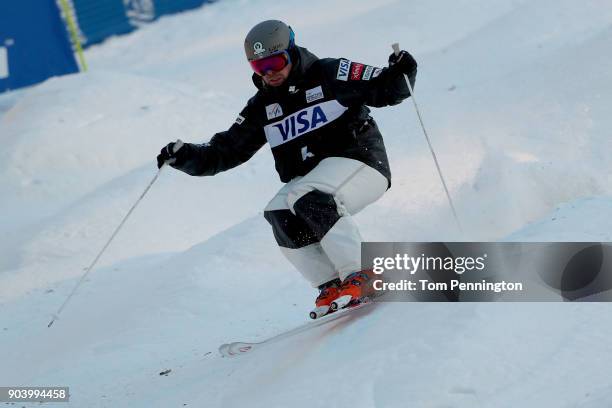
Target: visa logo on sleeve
[{"x": 343, "y": 69}]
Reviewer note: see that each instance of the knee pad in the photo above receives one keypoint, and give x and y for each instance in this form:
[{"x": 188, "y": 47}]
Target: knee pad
[
  {"x": 318, "y": 210},
  {"x": 289, "y": 230}
]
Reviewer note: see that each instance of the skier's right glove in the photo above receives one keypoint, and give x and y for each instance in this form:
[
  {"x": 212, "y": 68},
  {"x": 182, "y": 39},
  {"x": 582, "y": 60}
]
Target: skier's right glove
[
  {"x": 173, "y": 153},
  {"x": 403, "y": 62}
]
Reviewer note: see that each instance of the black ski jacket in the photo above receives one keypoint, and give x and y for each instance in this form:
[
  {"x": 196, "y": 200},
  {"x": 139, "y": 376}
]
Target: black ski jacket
[{"x": 320, "y": 111}]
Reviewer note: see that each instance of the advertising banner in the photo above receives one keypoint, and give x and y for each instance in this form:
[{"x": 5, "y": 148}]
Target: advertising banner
[{"x": 34, "y": 43}]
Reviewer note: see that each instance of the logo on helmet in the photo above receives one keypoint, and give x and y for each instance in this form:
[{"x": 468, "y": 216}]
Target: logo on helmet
[{"x": 258, "y": 48}]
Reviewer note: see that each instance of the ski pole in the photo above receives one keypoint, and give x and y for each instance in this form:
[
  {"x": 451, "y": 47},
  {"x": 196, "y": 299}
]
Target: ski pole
[
  {"x": 396, "y": 50},
  {"x": 175, "y": 148}
]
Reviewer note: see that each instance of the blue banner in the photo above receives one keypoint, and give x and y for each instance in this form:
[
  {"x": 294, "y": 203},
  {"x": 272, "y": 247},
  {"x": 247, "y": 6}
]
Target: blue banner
[
  {"x": 34, "y": 43},
  {"x": 100, "y": 19},
  {"x": 173, "y": 6}
]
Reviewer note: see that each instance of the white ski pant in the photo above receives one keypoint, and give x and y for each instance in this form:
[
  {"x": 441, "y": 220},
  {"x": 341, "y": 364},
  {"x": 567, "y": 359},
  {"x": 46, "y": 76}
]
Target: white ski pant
[{"x": 311, "y": 217}]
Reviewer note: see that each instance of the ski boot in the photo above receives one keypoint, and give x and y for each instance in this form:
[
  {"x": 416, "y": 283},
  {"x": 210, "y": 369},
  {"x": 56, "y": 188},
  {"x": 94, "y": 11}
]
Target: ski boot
[
  {"x": 329, "y": 293},
  {"x": 355, "y": 289}
]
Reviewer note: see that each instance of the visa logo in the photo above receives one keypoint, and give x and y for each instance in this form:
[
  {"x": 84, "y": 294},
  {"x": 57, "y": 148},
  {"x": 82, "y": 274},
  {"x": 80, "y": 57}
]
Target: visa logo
[
  {"x": 343, "y": 69},
  {"x": 303, "y": 122}
]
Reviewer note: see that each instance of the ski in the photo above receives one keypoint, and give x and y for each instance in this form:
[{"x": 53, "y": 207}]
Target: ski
[{"x": 240, "y": 348}]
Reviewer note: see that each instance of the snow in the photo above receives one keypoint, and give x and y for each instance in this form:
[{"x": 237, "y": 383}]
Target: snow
[{"x": 515, "y": 96}]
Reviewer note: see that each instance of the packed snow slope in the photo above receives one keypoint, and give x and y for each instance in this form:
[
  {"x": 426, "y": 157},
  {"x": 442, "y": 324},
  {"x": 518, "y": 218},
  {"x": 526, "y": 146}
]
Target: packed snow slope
[{"x": 516, "y": 96}]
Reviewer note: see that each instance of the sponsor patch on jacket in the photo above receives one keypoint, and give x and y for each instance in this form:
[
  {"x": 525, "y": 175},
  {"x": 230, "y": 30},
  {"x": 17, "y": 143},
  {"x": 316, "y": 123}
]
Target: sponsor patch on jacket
[
  {"x": 240, "y": 119},
  {"x": 367, "y": 72},
  {"x": 343, "y": 69},
  {"x": 274, "y": 111},
  {"x": 377, "y": 72},
  {"x": 356, "y": 71},
  {"x": 302, "y": 122},
  {"x": 314, "y": 94}
]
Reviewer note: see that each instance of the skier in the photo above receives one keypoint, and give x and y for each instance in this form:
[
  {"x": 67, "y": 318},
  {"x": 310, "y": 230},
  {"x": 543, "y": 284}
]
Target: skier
[{"x": 326, "y": 147}]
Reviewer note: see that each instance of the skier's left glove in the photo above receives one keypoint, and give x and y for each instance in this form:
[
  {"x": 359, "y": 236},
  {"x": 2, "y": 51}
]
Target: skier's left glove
[
  {"x": 173, "y": 153},
  {"x": 403, "y": 62}
]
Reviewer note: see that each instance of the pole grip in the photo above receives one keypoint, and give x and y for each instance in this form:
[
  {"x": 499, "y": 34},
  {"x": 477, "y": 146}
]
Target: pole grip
[
  {"x": 175, "y": 148},
  {"x": 396, "y": 48},
  {"x": 177, "y": 145}
]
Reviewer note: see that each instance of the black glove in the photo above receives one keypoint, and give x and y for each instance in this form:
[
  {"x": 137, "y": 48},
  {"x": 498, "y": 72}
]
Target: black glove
[
  {"x": 173, "y": 153},
  {"x": 403, "y": 62}
]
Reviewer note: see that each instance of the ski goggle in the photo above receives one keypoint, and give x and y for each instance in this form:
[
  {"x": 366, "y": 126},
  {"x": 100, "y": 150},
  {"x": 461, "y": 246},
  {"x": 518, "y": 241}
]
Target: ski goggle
[{"x": 274, "y": 62}]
